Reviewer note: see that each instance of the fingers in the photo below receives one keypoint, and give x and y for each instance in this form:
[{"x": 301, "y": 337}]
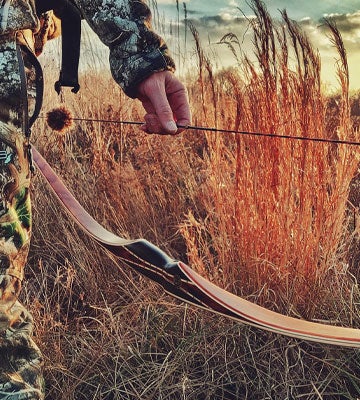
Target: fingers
[
  {"x": 178, "y": 101},
  {"x": 152, "y": 124},
  {"x": 165, "y": 99}
]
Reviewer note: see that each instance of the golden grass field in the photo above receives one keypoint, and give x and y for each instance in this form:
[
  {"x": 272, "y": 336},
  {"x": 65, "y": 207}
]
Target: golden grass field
[{"x": 272, "y": 220}]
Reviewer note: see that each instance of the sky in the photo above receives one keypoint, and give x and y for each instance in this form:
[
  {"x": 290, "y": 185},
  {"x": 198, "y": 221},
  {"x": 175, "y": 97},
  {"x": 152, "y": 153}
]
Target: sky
[
  {"x": 298, "y": 8},
  {"x": 215, "y": 18},
  {"x": 219, "y": 17}
]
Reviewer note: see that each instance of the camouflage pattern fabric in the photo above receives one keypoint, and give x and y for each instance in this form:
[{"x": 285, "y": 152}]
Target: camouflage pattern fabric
[
  {"x": 16, "y": 15},
  {"x": 20, "y": 358},
  {"x": 136, "y": 51}
]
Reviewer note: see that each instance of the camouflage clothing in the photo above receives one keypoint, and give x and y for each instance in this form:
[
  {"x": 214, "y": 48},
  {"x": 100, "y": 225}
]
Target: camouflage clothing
[
  {"x": 135, "y": 52},
  {"x": 20, "y": 359}
]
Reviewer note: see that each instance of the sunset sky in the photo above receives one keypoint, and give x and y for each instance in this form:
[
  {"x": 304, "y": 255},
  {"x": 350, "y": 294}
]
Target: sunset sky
[{"x": 219, "y": 17}]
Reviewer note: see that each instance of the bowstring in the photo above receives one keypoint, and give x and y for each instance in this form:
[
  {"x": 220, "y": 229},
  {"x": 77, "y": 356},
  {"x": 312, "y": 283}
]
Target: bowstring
[{"x": 229, "y": 131}]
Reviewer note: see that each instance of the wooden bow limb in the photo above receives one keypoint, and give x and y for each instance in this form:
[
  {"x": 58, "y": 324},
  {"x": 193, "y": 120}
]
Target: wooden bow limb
[{"x": 181, "y": 281}]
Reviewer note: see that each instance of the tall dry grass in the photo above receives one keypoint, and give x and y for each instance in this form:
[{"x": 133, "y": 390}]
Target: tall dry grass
[
  {"x": 275, "y": 209},
  {"x": 264, "y": 217}
]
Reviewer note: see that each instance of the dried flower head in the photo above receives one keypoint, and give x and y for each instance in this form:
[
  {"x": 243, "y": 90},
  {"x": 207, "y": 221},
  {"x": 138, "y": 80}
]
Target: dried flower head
[{"x": 60, "y": 119}]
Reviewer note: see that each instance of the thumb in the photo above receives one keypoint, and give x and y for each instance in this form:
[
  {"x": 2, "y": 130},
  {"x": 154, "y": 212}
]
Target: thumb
[
  {"x": 165, "y": 114},
  {"x": 163, "y": 110}
]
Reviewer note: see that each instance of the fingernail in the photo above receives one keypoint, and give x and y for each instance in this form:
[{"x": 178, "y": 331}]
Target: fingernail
[{"x": 170, "y": 126}]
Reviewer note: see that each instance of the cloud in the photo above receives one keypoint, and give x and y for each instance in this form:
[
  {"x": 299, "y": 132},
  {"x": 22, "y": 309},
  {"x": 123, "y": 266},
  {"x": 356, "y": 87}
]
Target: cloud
[
  {"x": 193, "y": 12},
  {"x": 220, "y": 20},
  {"x": 347, "y": 23},
  {"x": 162, "y": 2},
  {"x": 213, "y": 28}
]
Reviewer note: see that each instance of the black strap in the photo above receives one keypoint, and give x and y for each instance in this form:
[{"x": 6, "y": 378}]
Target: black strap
[
  {"x": 39, "y": 85},
  {"x": 71, "y": 35},
  {"x": 23, "y": 52}
]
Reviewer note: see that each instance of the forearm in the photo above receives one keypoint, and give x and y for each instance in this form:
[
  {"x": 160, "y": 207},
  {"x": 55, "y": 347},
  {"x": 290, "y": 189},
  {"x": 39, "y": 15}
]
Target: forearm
[{"x": 136, "y": 51}]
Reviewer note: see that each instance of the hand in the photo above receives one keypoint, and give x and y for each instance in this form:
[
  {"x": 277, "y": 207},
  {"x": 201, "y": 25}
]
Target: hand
[{"x": 165, "y": 100}]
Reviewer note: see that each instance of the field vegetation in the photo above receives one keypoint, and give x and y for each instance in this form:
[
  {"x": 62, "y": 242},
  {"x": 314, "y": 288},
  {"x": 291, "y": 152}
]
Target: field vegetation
[{"x": 272, "y": 220}]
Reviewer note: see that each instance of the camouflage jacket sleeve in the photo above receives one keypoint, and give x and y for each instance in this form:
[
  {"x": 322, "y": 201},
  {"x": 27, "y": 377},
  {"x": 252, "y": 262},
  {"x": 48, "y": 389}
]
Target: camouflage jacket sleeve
[{"x": 136, "y": 51}]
